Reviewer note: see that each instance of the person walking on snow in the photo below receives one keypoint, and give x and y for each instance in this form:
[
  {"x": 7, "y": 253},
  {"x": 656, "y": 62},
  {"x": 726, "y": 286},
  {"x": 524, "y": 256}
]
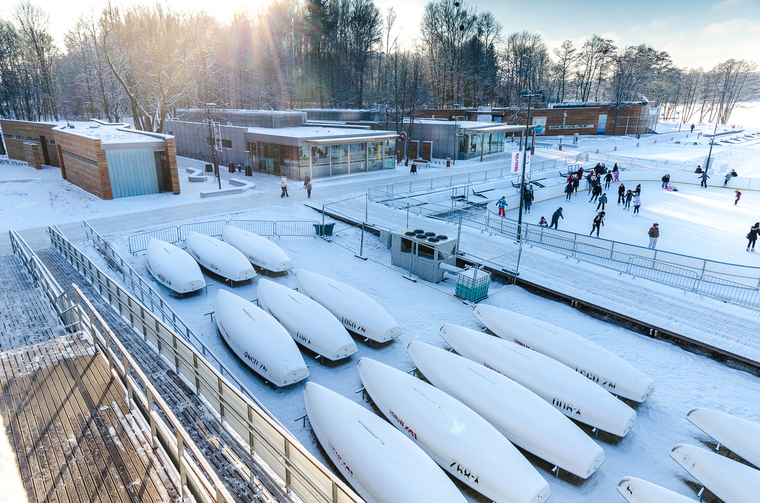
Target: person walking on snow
[
  {"x": 501, "y": 204},
  {"x": 636, "y": 204},
  {"x": 665, "y": 181},
  {"x": 704, "y": 176},
  {"x": 621, "y": 193},
  {"x": 738, "y": 196},
  {"x": 607, "y": 180},
  {"x": 752, "y": 236},
  {"x": 602, "y": 202},
  {"x": 555, "y": 218},
  {"x": 628, "y": 197},
  {"x": 654, "y": 233},
  {"x": 284, "y": 186},
  {"x": 543, "y": 222},
  {"x": 597, "y": 224}
]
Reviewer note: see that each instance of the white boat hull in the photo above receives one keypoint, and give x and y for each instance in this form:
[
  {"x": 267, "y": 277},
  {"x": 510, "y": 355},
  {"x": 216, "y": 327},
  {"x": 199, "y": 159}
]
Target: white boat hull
[
  {"x": 590, "y": 360},
  {"x": 453, "y": 435},
  {"x": 737, "y": 434},
  {"x": 640, "y": 491},
  {"x": 568, "y": 391},
  {"x": 358, "y": 312},
  {"x": 308, "y": 323},
  {"x": 173, "y": 267},
  {"x": 522, "y": 416},
  {"x": 729, "y": 480},
  {"x": 219, "y": 257},
  {"x": 259, "y": 251},
  {"x": 262, "y": 343},
  {"x": 380, "y": 463}
]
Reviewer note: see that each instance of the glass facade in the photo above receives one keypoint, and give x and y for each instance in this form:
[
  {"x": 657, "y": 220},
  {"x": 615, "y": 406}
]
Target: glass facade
[
  {"x": 471, "y": 145},
  {"x": 338, "y": 159},
  {"x": 390, "y": 154},
  {"x": 358, "y": 153}
]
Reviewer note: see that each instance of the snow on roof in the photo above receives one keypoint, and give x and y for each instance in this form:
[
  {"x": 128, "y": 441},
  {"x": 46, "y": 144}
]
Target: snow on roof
[
  {"x": 113, "y": 134},
  {"x": 316, "y": 133}
]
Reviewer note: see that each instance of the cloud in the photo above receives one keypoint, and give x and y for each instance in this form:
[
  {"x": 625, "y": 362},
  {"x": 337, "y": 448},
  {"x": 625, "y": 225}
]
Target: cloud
[
  {"x": 731, "y": 27},
  {"x": 730, "y": 4},
  {"x": 659, "y": 24}
]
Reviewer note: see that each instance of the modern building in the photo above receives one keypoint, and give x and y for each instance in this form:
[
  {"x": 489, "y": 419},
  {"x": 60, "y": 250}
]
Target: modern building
[
  {"x": 107, "y": 160},
  {"x": 459, "y": 139},
  {"x": 281, "y": 142}
]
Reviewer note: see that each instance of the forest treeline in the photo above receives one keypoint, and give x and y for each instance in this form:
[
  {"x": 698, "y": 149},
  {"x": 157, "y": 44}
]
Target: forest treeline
[{"x": 146, "y": 61}]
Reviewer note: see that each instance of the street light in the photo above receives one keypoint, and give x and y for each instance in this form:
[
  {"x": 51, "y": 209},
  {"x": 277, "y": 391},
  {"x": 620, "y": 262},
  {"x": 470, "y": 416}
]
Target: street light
[
  {"x": 529, "y": 95},
  {"x": 210, "y": 106},
  {"x": 717, "y": 121}
]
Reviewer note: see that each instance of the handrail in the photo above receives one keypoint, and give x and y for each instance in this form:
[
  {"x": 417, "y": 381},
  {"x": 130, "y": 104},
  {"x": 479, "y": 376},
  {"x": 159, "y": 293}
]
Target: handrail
[
  {"x": 201, "y": 472},
  {"x": 288, "y": 462},
  {"x": 36, "y": 269}
]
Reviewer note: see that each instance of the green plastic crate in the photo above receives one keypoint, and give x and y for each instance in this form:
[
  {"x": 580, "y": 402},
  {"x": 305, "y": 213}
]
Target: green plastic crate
[{"x": 472, "y": 286}]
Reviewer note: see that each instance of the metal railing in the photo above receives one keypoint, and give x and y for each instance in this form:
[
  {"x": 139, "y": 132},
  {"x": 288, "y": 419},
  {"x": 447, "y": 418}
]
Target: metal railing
[
  {"x": 178, "y": 234},
  {"x": 287, "y": 461},
  {"x": 145, "y": 293},
  {"x": 36, "y": 269},
  {"x": 728, "y": 282}
]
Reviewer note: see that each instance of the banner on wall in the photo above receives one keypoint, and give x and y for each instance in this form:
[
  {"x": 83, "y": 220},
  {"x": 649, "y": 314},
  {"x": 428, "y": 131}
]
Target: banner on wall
[
  {"x": 517, "y": 161},
  {"x": 540, "y": 123}
]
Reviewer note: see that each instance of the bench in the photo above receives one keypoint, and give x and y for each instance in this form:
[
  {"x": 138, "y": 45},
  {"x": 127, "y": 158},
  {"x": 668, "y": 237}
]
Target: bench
[{"x": 196, "y": 175}]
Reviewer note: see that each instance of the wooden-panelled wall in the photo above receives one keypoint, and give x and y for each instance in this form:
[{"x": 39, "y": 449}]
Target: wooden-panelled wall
[
  {"x": 93, "y": 179},
  {"x": 32, "y": 130}
]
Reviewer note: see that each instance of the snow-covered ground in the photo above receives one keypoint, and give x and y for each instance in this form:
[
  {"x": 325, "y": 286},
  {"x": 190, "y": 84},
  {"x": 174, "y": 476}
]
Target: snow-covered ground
[{"x": 693, "y": 221}]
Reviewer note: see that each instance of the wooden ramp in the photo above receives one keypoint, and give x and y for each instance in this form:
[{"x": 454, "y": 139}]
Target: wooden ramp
[{"x": 73, "y": 434}]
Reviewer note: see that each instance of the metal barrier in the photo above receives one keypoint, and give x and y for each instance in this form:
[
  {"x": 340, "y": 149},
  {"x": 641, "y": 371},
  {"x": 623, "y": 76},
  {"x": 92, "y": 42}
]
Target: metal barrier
[
  {"x": 36, "y": 269},
  {"x": 178, "y": 234},
  {"x": 728, "y": 282},
  {"x": 286, "y": 459}
]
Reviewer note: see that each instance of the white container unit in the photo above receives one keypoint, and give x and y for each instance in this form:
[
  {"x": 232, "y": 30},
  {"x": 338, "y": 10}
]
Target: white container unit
[
  {"x": 568, "y": 391},
  {"x": 258, "y": 250},
  {"x": 522, "y": 416},
  {"x": 219, "y": 257},
  {"x": 262, "y": 343},
  {"x": 590, "y": 360},
  {"x": 173, "y": 267},
  {"x": 355, "y": 310},
  {"x": 457, "y": 438},
  {"x": 379, "y": 462},
  {"x": 310, "y": 324}
]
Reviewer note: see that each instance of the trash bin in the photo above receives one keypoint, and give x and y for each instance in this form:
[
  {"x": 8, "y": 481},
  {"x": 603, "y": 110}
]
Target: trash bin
[
  {"x": 448, "y": 163},
  {"x": 232, "y": 168},
  {"x": 414, "y": 168},
  {"x": 248, "y": 171},
  {"x": 324, "y": 230},
  {"x": 209, "y": 168}
]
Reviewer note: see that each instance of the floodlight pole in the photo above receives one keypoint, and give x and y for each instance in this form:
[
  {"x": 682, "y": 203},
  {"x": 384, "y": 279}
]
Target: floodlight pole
[
  {"x": 529, "y": 95},
  {"x": 209, "y": 106},
  {"x": 717, "y": 121}
]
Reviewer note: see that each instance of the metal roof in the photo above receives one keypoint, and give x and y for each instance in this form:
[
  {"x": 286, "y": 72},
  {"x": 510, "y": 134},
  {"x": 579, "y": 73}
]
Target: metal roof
[{"x": 353, "y": 139}]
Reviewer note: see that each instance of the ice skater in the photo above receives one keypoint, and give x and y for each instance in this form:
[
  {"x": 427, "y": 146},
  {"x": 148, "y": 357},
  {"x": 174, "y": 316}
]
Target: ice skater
[
  {"x": 597, "y": 223},
  {"x": 602, "y": 202},
  {"x": 576, "y": 183},
  {"x": 704, "y": 176},
  {"x": 616, "y": 172},
  {"x": 752, "y": 236},
  {"x": 528, "y": 197},
  {"x": 654, "y": 233},
  {"x": 628, "y": 197},
  {"x": 502, "y": 204},
  {"x": 729, "y": 175},
  {"x": 543, "y": 222},
  {"x": 665, "y": 181},
  {"x": 738, "y": 196},
  {"x": 568, "y": 191},
  {"x": 555, "y": 218},
  {"x": 621, "y": 193},
  {"x": 636, "y": 204},
  {"x": 307, "y": 186},
  {"x": 595, "y": 192},
  {"x": 284, "y": 186},
  {"x": 607, "y": 180}
]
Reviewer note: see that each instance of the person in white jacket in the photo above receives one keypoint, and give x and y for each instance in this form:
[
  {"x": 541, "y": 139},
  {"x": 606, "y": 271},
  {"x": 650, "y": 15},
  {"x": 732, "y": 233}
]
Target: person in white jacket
[{"x": 284, "y": 185}]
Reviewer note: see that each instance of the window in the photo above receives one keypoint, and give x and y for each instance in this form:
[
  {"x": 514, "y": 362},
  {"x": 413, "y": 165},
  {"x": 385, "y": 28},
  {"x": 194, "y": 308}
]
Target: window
[
  {"x": 226, "y": 143},
  {"x": 406, "y": 245}
]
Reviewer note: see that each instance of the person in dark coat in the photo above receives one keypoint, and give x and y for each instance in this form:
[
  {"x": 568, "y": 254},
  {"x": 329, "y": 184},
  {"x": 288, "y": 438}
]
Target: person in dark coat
[
  {"x": 576, "y": 183},
  {"x": 665, "y": 181},
  {"x": 597, "y": 224},
  {"x": 704, "y": 176},
  {"x": 738, "y": 196},
  {"x": 607, "y": 180},
  {"x": 637, "y": 190},
  {"x": 752, "y": 236},
  {"x": 628, "y": 197},
  {"x": 595, "y": 192},
  {"x": 654, "y": 233},
  {"x": 602, "y": 202},
  {"x": 555, "y": 218},
  {"x": 699, "y": 169},
  {"x": 621, "y": 194},
  {"x": 528, "y": 197},
  {"x": 692, "y": 128},
  {"x": 568, "y": 191}
]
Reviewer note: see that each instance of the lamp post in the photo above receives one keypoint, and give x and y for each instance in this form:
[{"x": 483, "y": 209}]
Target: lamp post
[
  {"x": 66, "y": 111},
  {"x": 209, "y": 106},
  {"x": 562, "y": 131},
  {"x": 529, "y": 95},
  {"x": 717, "y": 121}
]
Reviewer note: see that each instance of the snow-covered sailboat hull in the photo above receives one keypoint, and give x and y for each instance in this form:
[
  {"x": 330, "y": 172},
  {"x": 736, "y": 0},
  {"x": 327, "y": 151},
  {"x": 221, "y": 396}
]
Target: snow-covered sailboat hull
[
  {"x": 219, "y": 257},
  {"x": 640, "y": 491},
  {"x": 358, "y": 312},
  {"x": 380, "y": 463},
  {"x": 173, "y": 267},
  {"x": 567, "y": 390},
  {"x": 729, "y": 480},
  {"x": 453, "y": 435},
  {"x": 262, "y": 343},
  {"x": 259, "y": 251},
  {"x": 522, "y": 416},
  {"x": 737, "y": 434},
  {"x": 308, "y": 323},
  {"x": 590, "y": 360}
]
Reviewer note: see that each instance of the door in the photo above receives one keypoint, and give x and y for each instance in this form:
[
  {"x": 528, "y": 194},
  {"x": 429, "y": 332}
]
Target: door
[{"x": 602, "y": 124}]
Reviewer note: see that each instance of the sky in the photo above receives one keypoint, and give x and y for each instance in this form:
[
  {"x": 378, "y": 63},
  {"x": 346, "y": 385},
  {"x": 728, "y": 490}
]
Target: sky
[{"x": 696, "y": 33}]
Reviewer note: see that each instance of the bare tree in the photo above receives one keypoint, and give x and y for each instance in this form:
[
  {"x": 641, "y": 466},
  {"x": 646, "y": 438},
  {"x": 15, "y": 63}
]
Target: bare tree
[
  {"x": 566, "y": 57},
  {"x": 592, "y": 66}
]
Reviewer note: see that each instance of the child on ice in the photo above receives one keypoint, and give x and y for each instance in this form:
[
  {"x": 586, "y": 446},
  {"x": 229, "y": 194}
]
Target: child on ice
[{"x": 543, "y": 223}]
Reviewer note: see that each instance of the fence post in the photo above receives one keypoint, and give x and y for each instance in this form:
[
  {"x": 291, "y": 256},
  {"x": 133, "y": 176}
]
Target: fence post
[
  {"x": 407, "y": 215},
  {"x": 361, "y": 246}
]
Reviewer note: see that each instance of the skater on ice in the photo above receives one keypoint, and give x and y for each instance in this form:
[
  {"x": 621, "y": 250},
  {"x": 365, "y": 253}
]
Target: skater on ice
[
  {"x": 555, "y": 218},
  {"x": 621, "y": 193},
  {"x": 502, "y": 204},
  {"x": 602, "y": 202},
  {"x": 543, "y": 222},
  {"x": 636, "y": 204},
  {"x": 628, "y": 197},
  {"x": 597, "y": 223},
  {"x": 738, "y": 196},
  {"x": 654, "y": 233},
  {"x": 752, "y": 236},
  {"x": 284, "y": 186},
  {"x": 704, "y": 176}
]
